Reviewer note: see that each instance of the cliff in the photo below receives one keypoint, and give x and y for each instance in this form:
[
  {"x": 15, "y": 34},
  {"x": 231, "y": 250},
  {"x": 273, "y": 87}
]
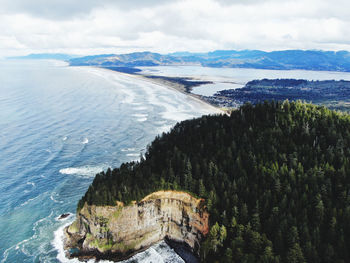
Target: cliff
[{"x": 116, "y": 232}]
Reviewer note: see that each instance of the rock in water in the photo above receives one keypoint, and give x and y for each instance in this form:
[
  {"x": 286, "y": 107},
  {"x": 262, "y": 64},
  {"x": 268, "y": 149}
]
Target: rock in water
[{"x": 63, "y": 216}]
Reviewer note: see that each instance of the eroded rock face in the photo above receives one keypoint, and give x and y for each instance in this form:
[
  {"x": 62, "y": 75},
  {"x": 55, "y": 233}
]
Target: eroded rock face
[{"x": 122, "y": 230}]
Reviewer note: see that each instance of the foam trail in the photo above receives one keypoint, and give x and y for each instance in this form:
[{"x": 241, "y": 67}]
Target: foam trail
[
  {"x": 16, "y": 247},
  {"x": 20, "y": 245},
  {"x": 140, "y": 115},
  {"x": 84, "y": 170},
  {"x": 41, "y": 220},
  {"x": 31, "y": 183},
  {"x": 29, "y": 200},
  {"x": 133, "y": 154},
  {"x": 54, "y": 200},
  {"x": 141, "y": 108},
  {"x": 128, "y": 149}
]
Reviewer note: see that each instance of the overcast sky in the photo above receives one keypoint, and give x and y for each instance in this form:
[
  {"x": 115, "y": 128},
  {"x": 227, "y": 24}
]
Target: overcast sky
[{"x": 119, "y": 26}]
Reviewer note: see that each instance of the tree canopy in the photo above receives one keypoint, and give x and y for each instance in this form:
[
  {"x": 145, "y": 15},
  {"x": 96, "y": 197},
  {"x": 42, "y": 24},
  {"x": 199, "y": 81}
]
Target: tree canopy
[{"x": 275, "y": 177}]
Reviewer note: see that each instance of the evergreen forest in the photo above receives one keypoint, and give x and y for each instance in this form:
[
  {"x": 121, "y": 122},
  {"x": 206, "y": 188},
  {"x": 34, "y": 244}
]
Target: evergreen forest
[{"x": 275, "y": 177}]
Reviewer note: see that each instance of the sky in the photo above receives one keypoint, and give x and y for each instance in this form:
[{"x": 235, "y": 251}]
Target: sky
[{"x": 120, "y": 26}]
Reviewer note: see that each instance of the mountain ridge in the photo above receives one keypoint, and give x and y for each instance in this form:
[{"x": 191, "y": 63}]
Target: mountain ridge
[{"x": 277, "y": 60}]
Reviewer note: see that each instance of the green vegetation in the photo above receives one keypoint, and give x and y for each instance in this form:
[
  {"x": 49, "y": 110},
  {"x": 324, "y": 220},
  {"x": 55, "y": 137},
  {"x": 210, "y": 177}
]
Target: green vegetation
[
  {"x": 330, "y": 93},
  {"x": 117, "y": 213},
  {"x": 73, "y": 228},
  {"x": 275, "y": 177},
  {"x": 104, "y": 245}
]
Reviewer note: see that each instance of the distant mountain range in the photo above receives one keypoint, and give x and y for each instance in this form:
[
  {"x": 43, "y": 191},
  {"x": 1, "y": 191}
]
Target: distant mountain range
[
  {"x": 287, "y": 59},
  {"x": 57, "y": 56}
]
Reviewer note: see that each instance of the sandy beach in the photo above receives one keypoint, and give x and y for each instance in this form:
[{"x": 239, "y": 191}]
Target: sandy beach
[{"x": 174, "y": 86}]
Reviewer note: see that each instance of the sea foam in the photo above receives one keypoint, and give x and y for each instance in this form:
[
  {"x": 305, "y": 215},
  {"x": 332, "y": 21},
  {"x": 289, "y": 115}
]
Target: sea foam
[
  {"x": 159, "y": 252},
  {"x": 58, "y": 245},
  {"x": 83, "y": 170}
]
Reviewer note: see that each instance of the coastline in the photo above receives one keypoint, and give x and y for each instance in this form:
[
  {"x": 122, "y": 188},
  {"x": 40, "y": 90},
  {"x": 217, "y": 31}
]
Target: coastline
[
  {"x": 170, "y": 85},
  {"x": 180, "y": 88},
  {"x": 180, "y": 249}
]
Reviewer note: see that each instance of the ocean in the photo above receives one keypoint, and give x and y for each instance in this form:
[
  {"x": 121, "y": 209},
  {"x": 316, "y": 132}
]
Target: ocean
[{"x": 61, "y": 125}]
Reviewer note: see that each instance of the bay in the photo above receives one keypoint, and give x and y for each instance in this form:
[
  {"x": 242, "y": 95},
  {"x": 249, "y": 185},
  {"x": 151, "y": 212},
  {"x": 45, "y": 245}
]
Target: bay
[{"x": 233, "y": 78}]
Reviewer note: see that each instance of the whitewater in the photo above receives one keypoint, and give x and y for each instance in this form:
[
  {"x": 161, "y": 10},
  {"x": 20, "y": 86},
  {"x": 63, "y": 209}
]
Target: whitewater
[{"x": 61, "y": 125}]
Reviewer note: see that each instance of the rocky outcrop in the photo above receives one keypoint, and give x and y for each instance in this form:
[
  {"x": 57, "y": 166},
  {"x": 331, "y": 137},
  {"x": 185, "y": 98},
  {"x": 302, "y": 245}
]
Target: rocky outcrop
[{"x": 116, "y": 232}]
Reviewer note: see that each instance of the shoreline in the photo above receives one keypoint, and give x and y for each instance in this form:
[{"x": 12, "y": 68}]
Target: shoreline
[
  {"x": 180, "y": 88},
  {"x": 181, "y": 250},
  {"x": 170, "y": 85}
]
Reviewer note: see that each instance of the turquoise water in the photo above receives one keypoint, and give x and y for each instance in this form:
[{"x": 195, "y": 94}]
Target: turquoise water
[{"x": 59, "y": 126}]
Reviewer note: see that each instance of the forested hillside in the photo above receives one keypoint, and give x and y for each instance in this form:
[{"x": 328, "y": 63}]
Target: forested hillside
[{"x": 275, "y": 176}]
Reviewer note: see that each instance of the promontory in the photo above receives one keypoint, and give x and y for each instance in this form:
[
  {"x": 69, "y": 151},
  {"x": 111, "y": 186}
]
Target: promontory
[{"x": 268, "y": 183}]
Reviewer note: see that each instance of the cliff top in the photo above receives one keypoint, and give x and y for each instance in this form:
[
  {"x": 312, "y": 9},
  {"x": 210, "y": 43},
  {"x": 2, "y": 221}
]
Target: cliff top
[{"x": 171, "y": 194}]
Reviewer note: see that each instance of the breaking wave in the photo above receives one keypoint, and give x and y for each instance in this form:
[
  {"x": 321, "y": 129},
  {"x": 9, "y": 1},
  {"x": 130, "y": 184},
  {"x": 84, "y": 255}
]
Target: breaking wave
[{"x": 83, "y": 170}]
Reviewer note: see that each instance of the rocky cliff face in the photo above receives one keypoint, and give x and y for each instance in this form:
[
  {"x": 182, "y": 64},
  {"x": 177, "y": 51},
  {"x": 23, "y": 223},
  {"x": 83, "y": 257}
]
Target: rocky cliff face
[{"x": 119, "y": 231}]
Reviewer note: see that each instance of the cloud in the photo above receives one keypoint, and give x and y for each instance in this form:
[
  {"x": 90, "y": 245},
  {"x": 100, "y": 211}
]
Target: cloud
[
  {"x": 116, "y": 26},
  {"x": 66, "y": 9}
]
